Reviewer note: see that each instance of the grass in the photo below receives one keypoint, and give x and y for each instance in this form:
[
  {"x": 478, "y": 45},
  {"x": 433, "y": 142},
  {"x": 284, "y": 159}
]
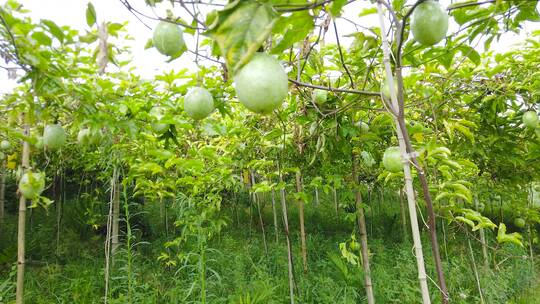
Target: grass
[{"x": 239, "y": 270}]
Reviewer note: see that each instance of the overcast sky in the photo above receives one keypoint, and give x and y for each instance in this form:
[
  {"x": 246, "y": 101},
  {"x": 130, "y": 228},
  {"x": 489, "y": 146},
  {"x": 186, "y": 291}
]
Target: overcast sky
[{"x": 149, "y": 62}]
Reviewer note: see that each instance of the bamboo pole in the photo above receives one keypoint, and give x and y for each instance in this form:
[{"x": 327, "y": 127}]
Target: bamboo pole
[
  {"x": 25, "y": 163},
  {"x": 422, "y": 277}
]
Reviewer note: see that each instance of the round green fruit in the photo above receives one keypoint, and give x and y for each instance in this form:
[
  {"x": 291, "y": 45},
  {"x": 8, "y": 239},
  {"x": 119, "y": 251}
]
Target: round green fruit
[
  {"x": 429, "y": 23},
  {"x": 261, "y": 85},
  {"x": 481, "y": 207},
  {"x": 385, "y": 90},
  {"x": 519, "y": 222},
  {"x": 158, "y": 113},
  {"x": 354, "y": 246},
  {"x": 319, "y": 96},
  {"x": 32, "y": 184},
  {"x": 54, "y": 137},
  {"x": 83, "y": 137},
  {"x": 39, "y": 142},
  {"x": 364, "y": 127},
  {"x": 530, "y": 119},
  {"x": 5, "y": 145},
  {"x": 198, "y": 103},
  {"x": 392, "y": 160},
  {"x": 168, "y": 39}
]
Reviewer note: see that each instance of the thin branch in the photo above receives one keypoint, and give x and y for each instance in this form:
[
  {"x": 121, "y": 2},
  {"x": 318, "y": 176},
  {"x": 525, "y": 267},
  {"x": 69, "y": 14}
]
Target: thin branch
[
  {"x": 341, "y": 56},
  {"x": 462, "y": 5},
  {"x": 358, "y": 92}
]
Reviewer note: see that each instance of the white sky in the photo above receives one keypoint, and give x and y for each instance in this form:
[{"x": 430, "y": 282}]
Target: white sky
[{"x": 149, "y": 62}]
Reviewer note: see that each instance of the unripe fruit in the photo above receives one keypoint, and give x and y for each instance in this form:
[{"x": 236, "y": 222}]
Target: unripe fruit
[
  {"x": 54, "y": 137},
  {"x": 83, "y": 137},
  {"x": 39, "y": 142},
  {"x": 198, "y": 103},
  {"x": 319, "y": 96},
  {"x": 5, "y": 145},
  {"x": 261, "y": 85},
  {"x": 392, "y": 160},
  {"x": 364, "y": 127},
  {"x": 158, "y": 113},
  {"x": 530, "y": 119},
  {"x": 386, "y": 90},
  {"x": 31, "y": 184},
  {"x": 429, "y": 23},
  {"x": 168, "y": 39},
  {"x": 519, "y": 222}
]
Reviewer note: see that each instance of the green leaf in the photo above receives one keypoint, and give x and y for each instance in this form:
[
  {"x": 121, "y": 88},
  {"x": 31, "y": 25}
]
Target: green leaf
[
  {"x": 42, "y": 38},
  {"x": 54, "y": 29},
  {"x": 297, "y": 27},
  {"x": 90, "y": 14},
  {"x": 368, "y": 11},
  {"x": 470, "y": 53},
  {"x": 241, "y": 29},
  {"x": 336, "y": 6}
]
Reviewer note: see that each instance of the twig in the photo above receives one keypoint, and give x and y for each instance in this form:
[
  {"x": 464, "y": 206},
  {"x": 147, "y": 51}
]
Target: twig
[
  {"x": 359, "y": 92},
  {"x": 341, "y": 56}
]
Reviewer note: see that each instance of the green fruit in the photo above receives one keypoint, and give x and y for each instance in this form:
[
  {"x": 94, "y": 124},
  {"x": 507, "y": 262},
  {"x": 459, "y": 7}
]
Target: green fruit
[
  {"x": 385, "y": 90},
  {"x": 481, "y": 207},
  {"x": 32, "y": 184},
  {"x": 392, "y": 160},
  {"x": 83, "y": 137},
  {"x": 168, "y": 39},
  {"x": 319, "y": 96},
  {"x": 530, "y": 119},
  {"x": 96, "y": 136},
  {"x": 364, "y": 127},
  {"x": 354, "y": 246},
  {"x": 429, "y": 23},
  {"x": 54, "y": 137},
  {"x": 39, "y": 142},
  {"x": 261, "y": 85},
  {"x": 5, "y": 145},
  {"x": 519, "y": 222},
  {"x": 158, "y": 113},
  {"x": 198, "y": 103}
]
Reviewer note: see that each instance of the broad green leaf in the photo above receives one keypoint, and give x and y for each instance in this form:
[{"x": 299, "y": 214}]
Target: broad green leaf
[
  {"x": 42, "y": 38},
  {"x": 336, "y": 6},
  {"x": 54, "y": 29},
  {"x": 297, "y": 27},
  {"x": 90, "y": 14},
  {"x": 241, "y": 29}
]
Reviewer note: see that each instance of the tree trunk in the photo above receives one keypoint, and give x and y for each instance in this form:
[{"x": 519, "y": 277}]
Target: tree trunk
[
  {"x": 363, "y": 235},
  {"x": 301, "y": 214},
  {"x": 256, "y": 199},
  {"x": 3, "y": 173},
  {"x": 476, "y": 277},
  {"x": 116, "y": 218},
  {"x": 287, "y": 237},
  {"x": 422, "y": 277},
  {"x": 482, "y": 239},
  {"x": 275, "y": 214},
  {"x": 25, "y": 164},
  {"x": 316, "y": 196},
  {"x": 59, "y": 202},
  {"x": 334, "y": 192}
]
